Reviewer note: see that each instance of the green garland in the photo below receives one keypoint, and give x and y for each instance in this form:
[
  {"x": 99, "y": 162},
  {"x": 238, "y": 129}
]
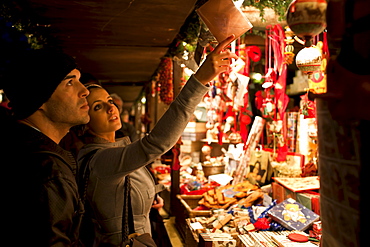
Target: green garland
[
  {"x": 22, "y": 19},
  {"x": 190, "y": 30},
  {"x": 187, "y": 38},
  {"x": 279, "y": 6}
]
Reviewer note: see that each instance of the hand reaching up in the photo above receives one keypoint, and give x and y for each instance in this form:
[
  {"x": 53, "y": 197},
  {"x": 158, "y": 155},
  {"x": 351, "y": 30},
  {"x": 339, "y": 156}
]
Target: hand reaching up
[{"x": 217, "y": 61}]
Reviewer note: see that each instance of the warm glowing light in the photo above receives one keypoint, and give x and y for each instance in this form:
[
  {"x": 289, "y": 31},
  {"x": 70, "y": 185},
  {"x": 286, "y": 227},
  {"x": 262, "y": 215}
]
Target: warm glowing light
[{"x": 257, "y": 76}]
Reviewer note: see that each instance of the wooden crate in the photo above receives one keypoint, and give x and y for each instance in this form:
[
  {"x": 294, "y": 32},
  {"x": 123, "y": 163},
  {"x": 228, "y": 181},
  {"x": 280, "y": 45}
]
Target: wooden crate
[
  {"x": 185, "y": 211},
  {"x": 190, "y": 202}
]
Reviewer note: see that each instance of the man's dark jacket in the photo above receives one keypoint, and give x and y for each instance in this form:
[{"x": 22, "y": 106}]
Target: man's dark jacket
[{"x": 41, "y": 205}]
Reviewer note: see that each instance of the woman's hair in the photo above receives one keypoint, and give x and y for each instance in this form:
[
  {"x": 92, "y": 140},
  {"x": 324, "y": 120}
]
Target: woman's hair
[
  {"x": 87, "y": 78},
  {"x": 90, "y": 86}
]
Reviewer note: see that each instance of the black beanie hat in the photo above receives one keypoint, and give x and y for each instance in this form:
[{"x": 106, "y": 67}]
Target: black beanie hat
[{"x": 33, "y": 77}]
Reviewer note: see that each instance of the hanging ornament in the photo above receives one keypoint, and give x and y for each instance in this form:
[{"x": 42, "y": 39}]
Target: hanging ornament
[
  {"x": 235, "y": 138},
  {"x": 250, "y": 53},
  {"x": 289, "y": 48},
  {"x": 309, "y": 60},
  {"x": 154, "y": 88},
  {"x": 254, "y": 53},
  {"x": 245, "y": 121},
  {"x": 166, "y": 80},
  {"x": 307, "y": 18},
  {"x": 307, "y": 107},
  {"x": 317, "y": 82},
  {"x": 270, "y": 78}
]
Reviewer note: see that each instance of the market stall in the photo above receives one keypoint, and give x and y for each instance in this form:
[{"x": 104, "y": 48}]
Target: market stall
[{"x": 248, "y": 162}]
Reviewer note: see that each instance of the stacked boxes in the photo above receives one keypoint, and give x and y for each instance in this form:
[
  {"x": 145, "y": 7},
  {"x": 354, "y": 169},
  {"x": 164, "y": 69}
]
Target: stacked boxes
[
  {"x": 194, "y": 131},
  {"x": 309, "y": 199},
  {"x": 216, "y": 240}
]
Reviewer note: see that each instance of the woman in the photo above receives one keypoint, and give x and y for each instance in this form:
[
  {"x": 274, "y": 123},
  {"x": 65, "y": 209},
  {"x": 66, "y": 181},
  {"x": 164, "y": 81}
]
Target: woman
[{"x": 110, "y": 160}]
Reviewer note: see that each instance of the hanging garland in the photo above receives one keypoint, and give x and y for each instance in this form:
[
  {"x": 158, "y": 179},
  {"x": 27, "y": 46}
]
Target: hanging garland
[
  {"x": 19, "y": 17},
  {"x": 21, "y": 29},
  {"x": 279, "y": 6},
  {"x": 187, "y": 38},
  {"x": 165, "y": 80}
]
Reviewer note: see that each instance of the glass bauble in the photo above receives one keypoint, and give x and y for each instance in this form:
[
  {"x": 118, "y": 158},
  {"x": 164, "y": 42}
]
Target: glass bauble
[
  {"x": 309, "y": 60},
  {"x": 307, "y": 18}
]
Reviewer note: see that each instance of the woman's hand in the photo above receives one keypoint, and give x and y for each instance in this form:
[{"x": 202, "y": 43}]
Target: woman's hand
[
  {"x": 158, "y": 203},
  {"x": 217, "y": 61}
]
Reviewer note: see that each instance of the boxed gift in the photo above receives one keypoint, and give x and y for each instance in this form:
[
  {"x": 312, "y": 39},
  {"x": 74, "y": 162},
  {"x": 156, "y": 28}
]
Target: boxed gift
[
  {"x": 310, "y": 200},
  {"x": 216, "y": 240},
  {"x": 304, "y": 190},
  {"x": 293, "y": 215},
  {"x": 280, "y": 193},
  {"x": 300, "y": 184}
]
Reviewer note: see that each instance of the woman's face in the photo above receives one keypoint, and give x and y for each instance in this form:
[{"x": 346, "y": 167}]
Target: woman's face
[{"x": 104, "y": 115}]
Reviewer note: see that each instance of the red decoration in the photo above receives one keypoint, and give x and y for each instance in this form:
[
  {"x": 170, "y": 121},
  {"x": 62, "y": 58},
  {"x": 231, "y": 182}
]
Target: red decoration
[
  {"x": 245, "y": 120},
  {"x": 275, "y": 47},
  {"x": 296, "y": 237},
  {"x": 254, "y": 53},
  {"x": 220, "y": 135},
  {"x": 251, "y": 53},
  {"x": 262, "y": 224},
  {"x": 176, "y": 162},
  {"x": 308, "y": 107},
  {"x": 165, "y": 81},
  {"x": 282, "y": 153},
  {"x": 258, "y": 100}
]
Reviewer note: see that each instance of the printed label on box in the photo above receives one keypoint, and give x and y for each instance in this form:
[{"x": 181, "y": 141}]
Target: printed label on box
[{"x": 293, "y": 215}]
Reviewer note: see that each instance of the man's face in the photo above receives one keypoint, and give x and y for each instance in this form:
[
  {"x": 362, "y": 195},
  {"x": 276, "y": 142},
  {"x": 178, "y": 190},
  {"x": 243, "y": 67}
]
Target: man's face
[{"x": 68, "y": 106}]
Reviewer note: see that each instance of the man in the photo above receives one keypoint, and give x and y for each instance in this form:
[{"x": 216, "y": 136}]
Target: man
[{"x": 40, "y": 196}]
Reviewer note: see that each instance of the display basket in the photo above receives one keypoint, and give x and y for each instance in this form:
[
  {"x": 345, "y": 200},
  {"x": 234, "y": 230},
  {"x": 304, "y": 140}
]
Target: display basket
[{"x": 190, "y": 202}]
